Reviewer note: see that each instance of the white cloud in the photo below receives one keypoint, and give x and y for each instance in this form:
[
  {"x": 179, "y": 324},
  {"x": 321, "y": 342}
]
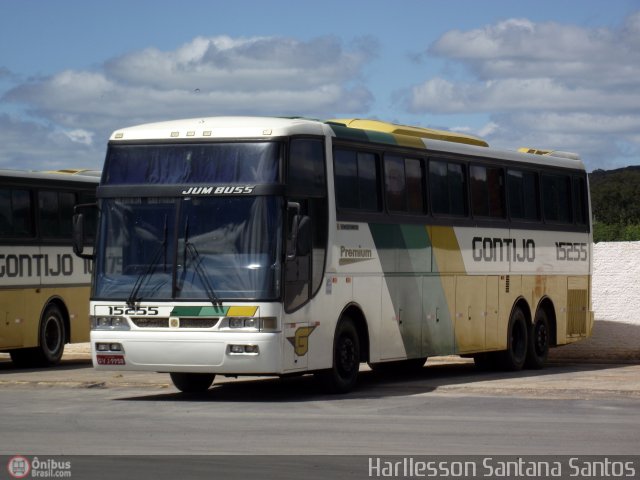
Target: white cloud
[
  {"x": 564, "y": 86},
  {"x": 519, "y": 48},
  {"x": 206, "y": 76},
  {"x": 80, "y": 136},
  {"x": 242, "y": 64},
  {"x": 517, "y": 94},
  {"x": 27, "y": 145}
]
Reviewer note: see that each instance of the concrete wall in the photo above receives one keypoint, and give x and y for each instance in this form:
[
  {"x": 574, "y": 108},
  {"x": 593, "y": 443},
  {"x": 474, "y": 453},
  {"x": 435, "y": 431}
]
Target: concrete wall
[{"x": 616, "y": 281}]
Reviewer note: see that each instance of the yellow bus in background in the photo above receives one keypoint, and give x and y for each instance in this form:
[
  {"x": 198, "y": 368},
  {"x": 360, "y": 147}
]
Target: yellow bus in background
[{"x": 44, "y": 287}]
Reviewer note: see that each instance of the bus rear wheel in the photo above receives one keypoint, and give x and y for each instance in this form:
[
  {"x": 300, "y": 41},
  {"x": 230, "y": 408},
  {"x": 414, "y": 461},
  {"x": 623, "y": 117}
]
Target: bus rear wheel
[
  {"x": 538, "y": 350},
  {"x": 52, "y": 336},
  {"x": 192, "y": 382},
  {"x": 514, "y": 357},
  {"x": 51, "y": 340},
  {"x": 343, "y": 376}
]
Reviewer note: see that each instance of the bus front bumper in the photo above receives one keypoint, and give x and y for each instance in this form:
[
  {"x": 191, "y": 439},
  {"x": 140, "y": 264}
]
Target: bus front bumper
[{"x": 226, "y": 354}]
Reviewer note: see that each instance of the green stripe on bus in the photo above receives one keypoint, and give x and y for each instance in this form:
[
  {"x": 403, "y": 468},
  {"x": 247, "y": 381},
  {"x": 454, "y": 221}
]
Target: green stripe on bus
[
  {"x": 367, "y": 136},
  {"x": 189, "y": 311},
  {"x": 410, "y": 274}
]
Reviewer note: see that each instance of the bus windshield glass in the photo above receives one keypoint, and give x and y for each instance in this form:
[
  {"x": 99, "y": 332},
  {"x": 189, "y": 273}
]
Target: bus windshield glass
[
  {"x": 242, "y": 162},
  {"x": 191, "y": 248}
]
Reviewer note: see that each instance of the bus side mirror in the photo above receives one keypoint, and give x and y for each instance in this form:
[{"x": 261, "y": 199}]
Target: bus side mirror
[
  {"x": 79, "y": 233},
  {"x": 300, "y": 244}
]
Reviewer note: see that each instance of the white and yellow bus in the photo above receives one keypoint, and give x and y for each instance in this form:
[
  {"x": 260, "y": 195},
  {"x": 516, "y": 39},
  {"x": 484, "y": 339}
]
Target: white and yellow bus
[
  {"x": 44, "y": 288},
  {"x": 274, "y": 246}
]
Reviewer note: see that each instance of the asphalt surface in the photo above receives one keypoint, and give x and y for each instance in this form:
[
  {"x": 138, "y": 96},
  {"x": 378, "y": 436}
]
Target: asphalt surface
[{"x": 606, "y": 364}]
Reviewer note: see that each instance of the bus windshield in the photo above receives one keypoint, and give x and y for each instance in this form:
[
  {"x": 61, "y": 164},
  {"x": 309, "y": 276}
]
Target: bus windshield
[
  {"x": 178, "y": 164},
  {"x": 191, "y": 248}
]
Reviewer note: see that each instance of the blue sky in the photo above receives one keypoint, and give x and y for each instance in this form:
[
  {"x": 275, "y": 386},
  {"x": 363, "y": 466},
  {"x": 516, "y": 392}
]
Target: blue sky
[{"x": 550, "y": 74}]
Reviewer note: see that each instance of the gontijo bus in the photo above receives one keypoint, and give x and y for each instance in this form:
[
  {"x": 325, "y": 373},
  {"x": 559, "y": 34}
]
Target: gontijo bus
[
  {"x": 273, "y": 246},
  {"x": 44, "y": 288}
]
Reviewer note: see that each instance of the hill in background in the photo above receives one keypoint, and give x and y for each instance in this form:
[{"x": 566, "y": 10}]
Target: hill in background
[{"x": 615, "y": 204}]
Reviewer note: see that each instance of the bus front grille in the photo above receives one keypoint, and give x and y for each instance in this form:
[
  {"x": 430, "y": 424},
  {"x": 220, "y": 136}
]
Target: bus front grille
[{"x": 183, "y": 322}]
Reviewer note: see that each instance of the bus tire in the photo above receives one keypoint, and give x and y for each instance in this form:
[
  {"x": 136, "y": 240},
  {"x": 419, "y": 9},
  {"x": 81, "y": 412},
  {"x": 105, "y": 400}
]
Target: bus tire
[
  {"x": 52, "y": 336},
  {"x": 192, "y": 382},
  {"x": 514, "y": 357},
  {"x": 539, "y": 336},
  {"x": 343, "y": 376}
]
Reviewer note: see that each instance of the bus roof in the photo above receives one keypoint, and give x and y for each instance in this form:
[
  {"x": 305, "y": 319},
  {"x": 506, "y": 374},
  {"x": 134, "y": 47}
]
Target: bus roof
[
  {"x": 367, "y": 131},
  {"x": 83, "y": 176},
  {"x": 220, "y": 127},
  {"x": 418, "y": 132}
]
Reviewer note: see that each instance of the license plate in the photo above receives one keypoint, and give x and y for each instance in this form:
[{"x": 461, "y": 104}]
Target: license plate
[{"x": 110, "y": 359}]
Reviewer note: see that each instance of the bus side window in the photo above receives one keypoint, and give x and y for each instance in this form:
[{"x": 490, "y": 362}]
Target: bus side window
[
  {"x": 414, "y": 175},
  {"x": 356, "y": 180},
  {"x": 580, "y": 201},
  {"x": 306, "y": 175},
  {"x": 403, "y": 184},
  {"x": 487, "y": 191},
  {"x": 447, "y": 182},
  {"x": 16, "y": 213},
  {"x": 556, "y": 198},
  {"x": 56, "y": 212},
  {"x": 522, "y": 188},
  {"x": 394, "y": 181}
]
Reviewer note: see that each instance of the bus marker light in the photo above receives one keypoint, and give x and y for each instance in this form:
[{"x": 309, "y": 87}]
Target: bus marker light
[{"x": 268, "y": 323}]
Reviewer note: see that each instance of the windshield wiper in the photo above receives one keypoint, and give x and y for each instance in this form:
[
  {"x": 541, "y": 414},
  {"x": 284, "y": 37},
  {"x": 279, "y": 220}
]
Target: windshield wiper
[
  {"x": 159, "y": 253},
  {"x": 196, "y": 258}
]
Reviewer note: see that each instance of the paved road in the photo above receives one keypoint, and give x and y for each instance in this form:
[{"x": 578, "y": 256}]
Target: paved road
[{"x": 448, "y": 407}]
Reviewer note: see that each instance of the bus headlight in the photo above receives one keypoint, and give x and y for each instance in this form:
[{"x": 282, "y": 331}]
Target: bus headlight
[
  {"x": 244, "y": 350},
  {"x": 109, "y": 347},
  {"x": 109, "y": 323},
  {"x": 239, "y": 322}
]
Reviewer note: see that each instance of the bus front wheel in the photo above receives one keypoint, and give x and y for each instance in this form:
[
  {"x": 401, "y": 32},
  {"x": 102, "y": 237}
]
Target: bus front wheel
[
  {"x": 192, "y": 382},
  {"x": 343, "y": 376}
]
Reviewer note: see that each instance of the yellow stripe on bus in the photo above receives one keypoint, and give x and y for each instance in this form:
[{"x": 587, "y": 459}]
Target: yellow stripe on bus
[{"x": 242, "y": 311}]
